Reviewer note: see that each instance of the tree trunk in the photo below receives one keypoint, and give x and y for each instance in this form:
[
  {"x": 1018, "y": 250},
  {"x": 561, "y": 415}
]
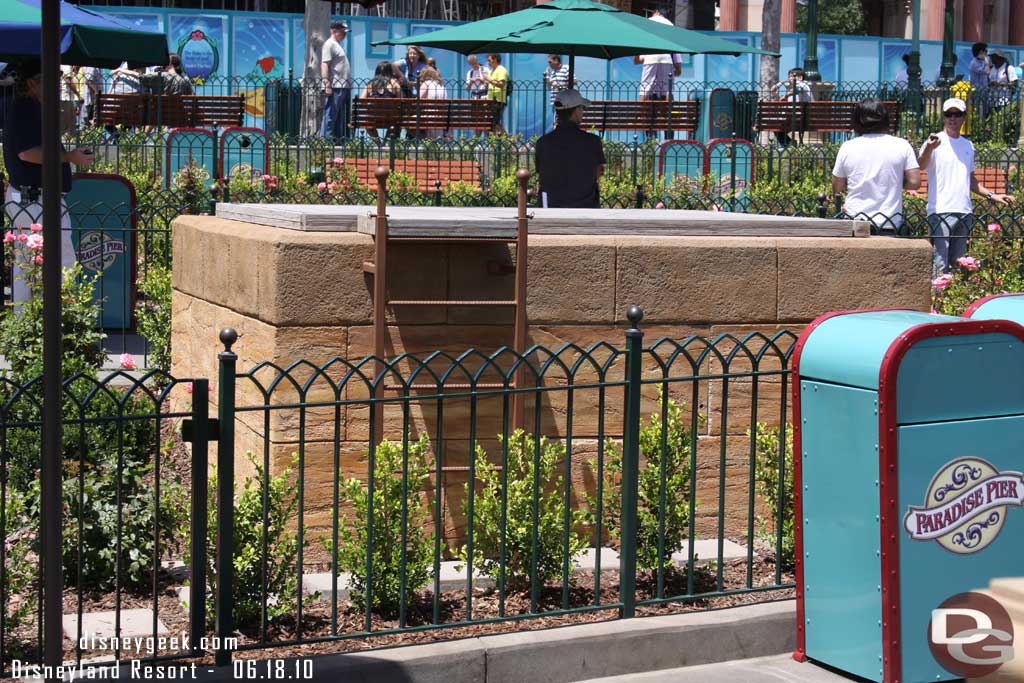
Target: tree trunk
[
  {"x": 316, "y": 22},
  {"x": 771, "y": 23}
]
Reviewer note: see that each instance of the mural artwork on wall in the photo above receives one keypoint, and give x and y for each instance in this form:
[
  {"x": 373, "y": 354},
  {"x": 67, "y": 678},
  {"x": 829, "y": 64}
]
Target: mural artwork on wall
[
  {"x": 261, "y": 46},
  {"x": 200, "y": 40}
]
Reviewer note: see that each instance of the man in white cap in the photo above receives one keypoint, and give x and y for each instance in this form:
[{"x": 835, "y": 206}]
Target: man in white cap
[
  {"x": 337, "y": 79},
  {"x": 948, "y": 158},
  {"x": 569, "y": 160}
]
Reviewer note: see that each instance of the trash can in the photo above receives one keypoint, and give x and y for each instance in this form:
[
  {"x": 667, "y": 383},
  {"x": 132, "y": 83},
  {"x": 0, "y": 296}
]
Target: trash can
[
  {"x": 909, "y": 446},
  {"x": 998, "y": 307}
]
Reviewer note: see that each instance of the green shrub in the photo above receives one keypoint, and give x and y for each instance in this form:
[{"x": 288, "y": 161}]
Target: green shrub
[
  {"x": 993, "y": 265},
  {"x": 153, "y": 313},
  {"x": 766, "y": 472},
  {"x": 674, "y": 516},
  {"x": 390, "y": 495},
  {"x": 21, "y": 563},
  {"x": 523, "y": 464},
  {"x": 191, "y": 185},
  {"x": 116, "y": 519},
  {"x": 250, "y": 526}
]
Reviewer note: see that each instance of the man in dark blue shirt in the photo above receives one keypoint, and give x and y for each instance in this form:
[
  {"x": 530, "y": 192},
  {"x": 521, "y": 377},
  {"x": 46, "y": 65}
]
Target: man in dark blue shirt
[
  {"x": 23, "y": 157},
  {"x": 570, "y": 160}
]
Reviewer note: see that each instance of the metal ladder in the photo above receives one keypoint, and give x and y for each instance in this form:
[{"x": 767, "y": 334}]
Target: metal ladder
[{"x": 377, "y": 269}]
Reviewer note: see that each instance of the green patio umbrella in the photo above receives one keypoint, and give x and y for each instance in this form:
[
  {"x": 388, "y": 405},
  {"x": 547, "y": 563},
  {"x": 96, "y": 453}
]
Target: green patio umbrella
[
  {"x": 86, "y": 38},
  {"x": 577, "y": 28}
]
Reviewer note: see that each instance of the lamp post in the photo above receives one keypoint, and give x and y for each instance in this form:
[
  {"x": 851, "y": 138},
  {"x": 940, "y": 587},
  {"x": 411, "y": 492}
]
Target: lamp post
[
  {"x": 946, "y": 70},
  {"x": 811, "y": 56},
  {"x": 913, "y": 100}
]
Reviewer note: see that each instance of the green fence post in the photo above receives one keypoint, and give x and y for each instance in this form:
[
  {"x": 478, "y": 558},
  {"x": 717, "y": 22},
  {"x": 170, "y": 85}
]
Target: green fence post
[
  {"x": 225, "y": 495},
  {"x": 200, "y": 438},
  {"x": 630, "y": 463}
]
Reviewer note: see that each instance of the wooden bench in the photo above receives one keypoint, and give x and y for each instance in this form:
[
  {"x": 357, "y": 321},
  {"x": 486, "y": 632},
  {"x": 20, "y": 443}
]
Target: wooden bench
[
  {"x": 423, "y": 115},
  {"x": 646, "y": 116},
  {"x": 814, "y": 117},
  {"x": 172, "y": 111},
  {"x": 994, "y": 178},
  {"x": 426, "y": 172}
]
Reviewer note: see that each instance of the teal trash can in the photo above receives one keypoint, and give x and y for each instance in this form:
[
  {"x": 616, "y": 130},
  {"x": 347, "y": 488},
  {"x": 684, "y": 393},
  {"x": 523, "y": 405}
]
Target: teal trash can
[{"x": 908, "y": 453}]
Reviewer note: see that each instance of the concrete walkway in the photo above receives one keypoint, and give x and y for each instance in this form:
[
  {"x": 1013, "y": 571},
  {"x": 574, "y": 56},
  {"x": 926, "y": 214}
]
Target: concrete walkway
[{"x": 775, "y": 669}]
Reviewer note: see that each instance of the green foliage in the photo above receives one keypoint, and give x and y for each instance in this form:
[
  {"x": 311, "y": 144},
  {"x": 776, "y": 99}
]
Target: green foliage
[
  {"x": 460, "y": 193},
  {"x": 766, "y": 472},
  {"x": 250, "y": 527},
  {"x": 391, "y": 494},
  {"x": 665, "y": 443},
  {"x": 835, "y": 17},
  {"x": 993, "y": 265},
  {"x": 529, "y": 459},
  {"x": 116, "y": 519},
  {"x": 21, "y": 563},
  {"x": 191, "y": 184},
  {"x": 153, "y": 313}
]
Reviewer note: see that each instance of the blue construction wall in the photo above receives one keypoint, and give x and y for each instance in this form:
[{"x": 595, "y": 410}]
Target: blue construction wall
[{"x": 257, "y": 45}]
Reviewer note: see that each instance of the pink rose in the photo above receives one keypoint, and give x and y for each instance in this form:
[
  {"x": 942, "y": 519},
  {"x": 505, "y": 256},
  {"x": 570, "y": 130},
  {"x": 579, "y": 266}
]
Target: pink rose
[
  {"x": 38, "y": 260},
  {"x": 9, "y": 237},
  {"x": 35, "y": 227},
  {"x": 266, "y": 177},
  {"x": 22, "y": 237},
  {"x": 34, "y": 242},
  {"x": 942, "y": 281},
  {"x": 127, "y": 361},
  {"x": 659, "y": 205},
  {"x": 999, "y": 281},
  {"x": 934, "y": 312},
  {"x": 968, "y": 262},
  {"x": 338, "y": 161},
  {"x": 300, "y": 181},
  {"x": 321, "y": 186},
  {"x": 993, "y": 227}
]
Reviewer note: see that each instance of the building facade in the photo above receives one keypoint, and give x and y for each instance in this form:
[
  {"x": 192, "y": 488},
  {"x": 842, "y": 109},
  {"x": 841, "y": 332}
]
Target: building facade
[{"x": 990, "y": 21}]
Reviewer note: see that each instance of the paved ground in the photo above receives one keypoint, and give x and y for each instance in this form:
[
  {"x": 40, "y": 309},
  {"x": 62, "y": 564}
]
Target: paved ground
[{"x": 774, "y": 669}]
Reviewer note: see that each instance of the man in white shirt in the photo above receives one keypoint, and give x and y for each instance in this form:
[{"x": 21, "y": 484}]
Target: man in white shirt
[
  {"x": 658, "y": 72},
  {"x": 874, "y": 168},
  {"x": 948, "y": 158},
  {"x": 337, "y": 80},
  {"x": 476, "y": 81},
  {"x": 1001, "y": 81}
]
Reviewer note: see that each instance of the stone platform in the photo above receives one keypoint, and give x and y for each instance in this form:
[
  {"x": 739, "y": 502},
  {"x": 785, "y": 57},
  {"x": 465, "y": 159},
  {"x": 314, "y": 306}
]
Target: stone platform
[
  {"x": 302, "y": 294},
  {"x": 429, "y": 221}
]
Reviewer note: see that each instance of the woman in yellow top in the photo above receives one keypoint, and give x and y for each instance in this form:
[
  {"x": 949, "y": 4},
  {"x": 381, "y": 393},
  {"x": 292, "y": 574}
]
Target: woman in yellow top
[{"x": 496, "y": 89}]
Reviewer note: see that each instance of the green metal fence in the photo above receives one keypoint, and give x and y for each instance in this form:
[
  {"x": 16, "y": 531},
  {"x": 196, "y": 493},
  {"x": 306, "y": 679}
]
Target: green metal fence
[{"x": 644, "y": 447}]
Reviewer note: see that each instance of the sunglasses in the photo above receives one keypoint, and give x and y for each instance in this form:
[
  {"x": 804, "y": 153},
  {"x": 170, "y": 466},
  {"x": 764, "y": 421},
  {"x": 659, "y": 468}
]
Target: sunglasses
[{"x": 953, "y": 114}]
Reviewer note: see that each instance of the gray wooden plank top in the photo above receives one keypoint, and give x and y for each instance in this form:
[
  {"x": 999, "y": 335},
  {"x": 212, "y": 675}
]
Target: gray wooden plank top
[{"x": 420, "y": 221}]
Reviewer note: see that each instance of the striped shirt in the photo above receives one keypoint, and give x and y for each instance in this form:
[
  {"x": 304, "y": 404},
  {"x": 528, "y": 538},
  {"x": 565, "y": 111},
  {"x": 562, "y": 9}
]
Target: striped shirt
[{"x": 558, "y": 79}]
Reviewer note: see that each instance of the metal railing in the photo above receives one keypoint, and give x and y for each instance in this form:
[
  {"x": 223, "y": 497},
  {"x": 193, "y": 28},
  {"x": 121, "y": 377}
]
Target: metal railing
[{"x": 646, "y": 447}]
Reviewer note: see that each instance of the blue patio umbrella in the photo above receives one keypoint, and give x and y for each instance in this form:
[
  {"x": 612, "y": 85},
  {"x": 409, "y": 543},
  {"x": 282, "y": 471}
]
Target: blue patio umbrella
[{"x": 86, "y": 38}]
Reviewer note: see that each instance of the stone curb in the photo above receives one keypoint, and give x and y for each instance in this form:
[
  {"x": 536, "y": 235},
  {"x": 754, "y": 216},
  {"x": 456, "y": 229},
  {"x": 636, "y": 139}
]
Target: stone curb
[{"x": 572, "y": 653}]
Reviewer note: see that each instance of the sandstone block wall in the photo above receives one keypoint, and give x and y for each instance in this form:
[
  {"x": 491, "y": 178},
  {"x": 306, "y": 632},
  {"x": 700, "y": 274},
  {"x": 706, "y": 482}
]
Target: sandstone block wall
[{"x": 295, "y": 295}]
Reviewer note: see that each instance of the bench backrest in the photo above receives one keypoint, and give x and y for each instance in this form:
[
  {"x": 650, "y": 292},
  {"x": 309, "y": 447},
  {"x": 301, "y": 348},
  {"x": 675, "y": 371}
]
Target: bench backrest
[
  {"x": 420, "y": 114},
  {"x": 646, "y": 116},
  {"x": 174, "y": 111},
  {"x": 824, "y": 116}
]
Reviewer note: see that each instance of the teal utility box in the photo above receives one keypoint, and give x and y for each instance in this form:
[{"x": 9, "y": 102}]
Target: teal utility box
[{"x": 908, "y": 452}]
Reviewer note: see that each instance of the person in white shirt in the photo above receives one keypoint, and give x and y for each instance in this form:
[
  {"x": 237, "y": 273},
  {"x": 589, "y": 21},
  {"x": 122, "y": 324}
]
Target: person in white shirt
[
  {"x": 795, "y": 90},
  {"x": 874, "y": 168},
  {"x": 1002, "y": 81},
  {"x": 337, "y": 78},
  {"x": 476, "y": 84},
  {"x": 432, "y": 88},
  {"x": 658, "y": 72},
  {"x": 556, "y": 76},
  {"x": 948, "y": 159}
]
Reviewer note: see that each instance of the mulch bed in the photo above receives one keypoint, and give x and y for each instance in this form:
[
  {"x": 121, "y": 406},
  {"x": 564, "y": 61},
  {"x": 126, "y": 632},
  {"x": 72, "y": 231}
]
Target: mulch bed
[{"x": 316, "y": 621}]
